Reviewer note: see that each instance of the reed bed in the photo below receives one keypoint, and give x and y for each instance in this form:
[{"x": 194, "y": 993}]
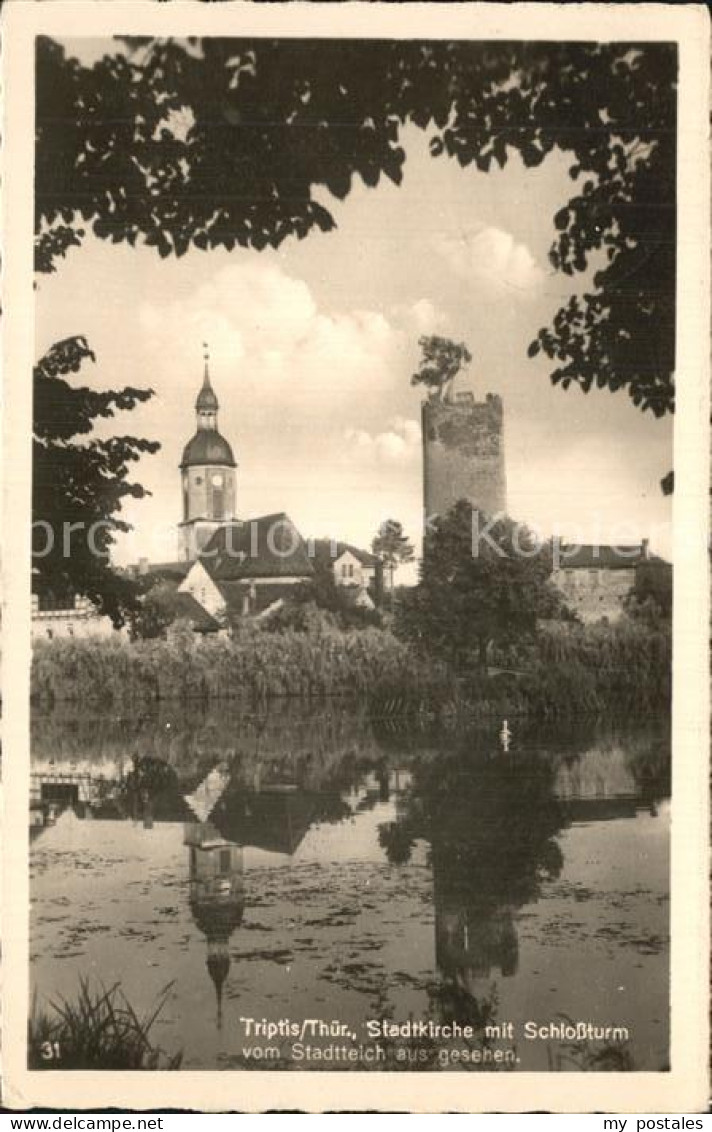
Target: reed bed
[
  {"x": 254, "y": 665},
  {"x": 568, "y": 670}
]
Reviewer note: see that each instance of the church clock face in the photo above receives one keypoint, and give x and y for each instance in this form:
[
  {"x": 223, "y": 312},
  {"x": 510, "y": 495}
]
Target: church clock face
[{"x": 217, "y": 480}]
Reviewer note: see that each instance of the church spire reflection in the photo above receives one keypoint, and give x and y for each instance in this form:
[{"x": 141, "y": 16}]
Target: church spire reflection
[{"x": 217, "y": 896}]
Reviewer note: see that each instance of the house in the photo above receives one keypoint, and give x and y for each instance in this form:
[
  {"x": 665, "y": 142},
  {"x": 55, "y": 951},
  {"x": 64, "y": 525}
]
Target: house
[
  {"x": 248, "y": 566},
  {"x": 356, "y": 570},
  {"x": 595, "y": 580},
  {"x": 62, "y": 613}
]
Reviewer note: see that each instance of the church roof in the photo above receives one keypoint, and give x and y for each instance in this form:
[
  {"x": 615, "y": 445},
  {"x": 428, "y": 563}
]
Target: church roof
[
  {"x": 275, "y": 820},
  {"x": 263, "y": 598},
  {"x": 187, "y": 607},
  {"x": 269, "y": 546},
  {"x": 207, "y": 447}
]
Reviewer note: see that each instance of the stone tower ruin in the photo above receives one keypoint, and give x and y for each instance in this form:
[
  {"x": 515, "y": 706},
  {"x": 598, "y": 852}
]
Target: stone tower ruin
[{"x": 463, "y": 454}]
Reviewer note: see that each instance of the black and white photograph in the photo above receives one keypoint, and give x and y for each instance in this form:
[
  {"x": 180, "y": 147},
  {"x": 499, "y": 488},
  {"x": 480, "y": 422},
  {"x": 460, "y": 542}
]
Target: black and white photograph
[{"x": 353, "y": 574}]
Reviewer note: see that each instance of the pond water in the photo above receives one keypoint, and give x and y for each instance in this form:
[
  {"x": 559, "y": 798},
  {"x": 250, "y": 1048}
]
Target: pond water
[{"x": 317, "y": 864}]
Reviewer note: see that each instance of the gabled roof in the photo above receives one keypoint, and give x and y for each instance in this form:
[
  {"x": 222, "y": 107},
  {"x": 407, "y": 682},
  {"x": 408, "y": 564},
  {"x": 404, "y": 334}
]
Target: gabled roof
[
  {"x": 330, "y": 550},
  {"x": 269, "y": 546},
  {"x": 169, "y": 570},
  {"x": 264, "y": 596},
  {"x": 187, "y": 607},
  {"x": 598, "y": 557},
  {"x": 276, "y": 820}
]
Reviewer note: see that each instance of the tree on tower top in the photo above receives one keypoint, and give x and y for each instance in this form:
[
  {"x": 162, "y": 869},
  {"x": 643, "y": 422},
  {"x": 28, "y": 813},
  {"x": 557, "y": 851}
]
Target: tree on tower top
[{"x": 441, "y": 361}]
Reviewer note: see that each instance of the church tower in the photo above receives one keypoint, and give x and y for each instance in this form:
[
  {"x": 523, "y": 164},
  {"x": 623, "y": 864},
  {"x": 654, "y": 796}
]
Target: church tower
[{"x": 207, "y": 475}]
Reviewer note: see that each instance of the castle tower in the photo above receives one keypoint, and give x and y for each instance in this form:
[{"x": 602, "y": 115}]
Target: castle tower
[
  {"x": 207, "y": 476},
  {"x": 463, "y": 454}
]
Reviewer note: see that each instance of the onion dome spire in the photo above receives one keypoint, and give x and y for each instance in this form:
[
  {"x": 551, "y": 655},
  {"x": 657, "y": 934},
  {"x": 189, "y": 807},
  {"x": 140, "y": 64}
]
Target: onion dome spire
[
  {"x": 207, "y": 447},
  {"x": 207, "y": 402}
]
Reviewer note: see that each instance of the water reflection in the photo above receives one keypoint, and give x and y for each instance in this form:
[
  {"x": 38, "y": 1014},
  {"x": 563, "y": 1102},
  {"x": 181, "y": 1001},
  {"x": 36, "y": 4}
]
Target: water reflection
[
  {"x": 217, "y": 896},
  {"x": 412, "y": 872}
]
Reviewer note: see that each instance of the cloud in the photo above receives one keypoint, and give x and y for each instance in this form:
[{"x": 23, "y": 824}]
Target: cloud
[
  {"x": 315, "y": 399},
  {"x": 489, "y": 255},
  {"x": 268, "y": 334},
  {"x": 422, "y": 317},
  {"x": 398, "y": 444},
  {"x": 276, "y": 350}
]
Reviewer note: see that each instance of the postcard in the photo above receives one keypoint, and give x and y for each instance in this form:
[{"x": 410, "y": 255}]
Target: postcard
[{"x": 355, "y": 543}]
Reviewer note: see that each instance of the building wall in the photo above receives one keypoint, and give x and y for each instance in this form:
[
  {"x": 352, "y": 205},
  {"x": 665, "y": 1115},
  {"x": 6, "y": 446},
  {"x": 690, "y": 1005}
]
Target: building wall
[
  {"x": 81, "y": 621},
  {"x": 201, "y": 495},
  {"x": 463, "y": 454},
  {"x": 348, "y": 571},
  {"x": 355, "y": 577},
  {"x": 195, "y": 536},
  {"x": 205, "y": 498},
  {"x": 594, "y": 593},
  {"x": 201, "y": 586}
]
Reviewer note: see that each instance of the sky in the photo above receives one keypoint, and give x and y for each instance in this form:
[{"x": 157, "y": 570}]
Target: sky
[{"x": 312, "y": 347}]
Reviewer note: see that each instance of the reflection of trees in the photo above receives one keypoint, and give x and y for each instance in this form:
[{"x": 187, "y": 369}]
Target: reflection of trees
[
  {"x": 151, "y": 790},
  {"x": 328, "y": 751},
  {"x": 397, "y": 839},
  {"x": 492, "y": 826},
  {"x": 625, "y": 755},
  {"x": 322, "y": 748}
]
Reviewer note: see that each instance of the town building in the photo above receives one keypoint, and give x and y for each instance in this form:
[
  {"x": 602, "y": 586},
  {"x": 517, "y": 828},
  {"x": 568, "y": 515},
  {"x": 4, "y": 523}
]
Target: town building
[
  {"x": 357, "y": 572},
  {"x": 595, "y": 580},
  {"x": 248, "y": 566},
  {"x": 66, "y": 614}
]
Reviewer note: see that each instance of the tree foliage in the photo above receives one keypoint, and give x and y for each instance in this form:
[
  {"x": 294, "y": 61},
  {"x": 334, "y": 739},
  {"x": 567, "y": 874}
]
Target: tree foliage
[
  {"x": 79, "y": 484},
  {"x": 441, "y": 361},
  {"x": 219, "y": 142},
  {"x": 158, "y": 608},
  {"x": 650, "y": 599},
  {"x": 322, "y": 593},
  {"x": 393, "y": 547},
  {"x": 481, "y": 581}
]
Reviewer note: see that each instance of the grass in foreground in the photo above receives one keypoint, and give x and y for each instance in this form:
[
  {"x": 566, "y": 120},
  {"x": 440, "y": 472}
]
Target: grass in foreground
[{"x": 99, "y": 1029}]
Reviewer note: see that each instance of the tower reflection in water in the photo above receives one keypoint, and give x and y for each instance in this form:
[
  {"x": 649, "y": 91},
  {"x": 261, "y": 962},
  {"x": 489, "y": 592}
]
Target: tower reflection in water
[
  {"x": 217, "y": 896},
  {"x": 230, "y": 817}
]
